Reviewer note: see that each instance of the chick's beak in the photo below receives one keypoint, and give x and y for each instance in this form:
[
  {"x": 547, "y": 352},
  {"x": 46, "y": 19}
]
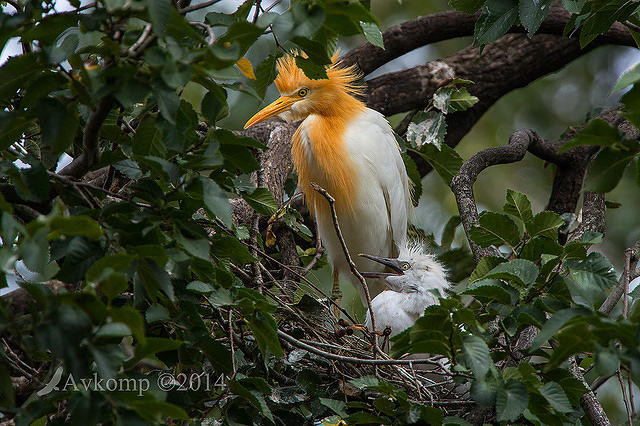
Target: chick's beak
[
  {"x": 280, "y": 105},
  {"x": 392, "y": 264}
]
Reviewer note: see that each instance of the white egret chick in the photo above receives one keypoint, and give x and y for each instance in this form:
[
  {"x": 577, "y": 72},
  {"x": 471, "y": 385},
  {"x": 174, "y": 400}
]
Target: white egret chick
[{"x": 416, "y": 281}]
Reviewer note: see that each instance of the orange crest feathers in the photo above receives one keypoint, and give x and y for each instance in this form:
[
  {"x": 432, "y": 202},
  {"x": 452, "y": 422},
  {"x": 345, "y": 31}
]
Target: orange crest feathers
[{"x": 291, "y": 78}]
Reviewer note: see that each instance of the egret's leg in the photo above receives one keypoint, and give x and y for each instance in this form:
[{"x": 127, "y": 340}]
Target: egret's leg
[{"x": 336, "y": 293}]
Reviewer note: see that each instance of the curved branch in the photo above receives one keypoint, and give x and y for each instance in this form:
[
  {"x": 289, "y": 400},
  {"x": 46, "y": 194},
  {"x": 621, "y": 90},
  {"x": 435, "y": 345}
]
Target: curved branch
[
  {"x": 462, "y": 183},
  {"x": 410, "y": 35},
  {"x": 83, "y": 163}
]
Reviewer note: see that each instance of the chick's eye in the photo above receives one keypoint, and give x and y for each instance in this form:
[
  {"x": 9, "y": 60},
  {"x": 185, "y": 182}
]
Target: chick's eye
[
  {"x": 303, "y": 92},
  {"x": 405, "y": 266}
]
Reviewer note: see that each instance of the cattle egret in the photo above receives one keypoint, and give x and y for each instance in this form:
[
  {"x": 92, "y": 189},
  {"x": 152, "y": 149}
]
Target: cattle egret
[
  {"x": 416, "y": 281},
  {"x": 349, "y": 150}
]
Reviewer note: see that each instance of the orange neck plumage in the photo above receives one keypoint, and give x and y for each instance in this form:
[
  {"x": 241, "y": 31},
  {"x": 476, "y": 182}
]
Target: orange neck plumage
[{"x": 331, "y": 168}]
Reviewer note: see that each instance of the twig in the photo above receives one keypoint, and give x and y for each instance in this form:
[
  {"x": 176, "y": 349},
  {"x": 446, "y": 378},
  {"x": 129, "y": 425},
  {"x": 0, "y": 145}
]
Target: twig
[
  {"x": 197, "y": 6},
  {"x": 274, "y": 4},
  {"x": 17, "y": 359},
  {"x": 211, "y": 38},
  {"x": 132, "y": 51},
  {"x": 316, "y": 258},
  {"x": 290, "y": 269},
  {"x": 66, "y": 180},
  {"x": 256, "y": 13},
  {"x": 329, "y": 355},
  {"x": 625, "y": 279},
  {"x": 612, "y": 299},
  {"x": 233, "y": 351},
  {"x": 352, "y": 265},
  {"x": 631, "y": 26},
  {"x": 624, "y": 398}
]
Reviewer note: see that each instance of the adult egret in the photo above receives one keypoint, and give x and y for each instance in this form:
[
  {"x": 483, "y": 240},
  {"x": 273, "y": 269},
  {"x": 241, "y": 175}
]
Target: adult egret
[
  {"x": 349, "y": 150},
  {"x": 416, "y": 281}
]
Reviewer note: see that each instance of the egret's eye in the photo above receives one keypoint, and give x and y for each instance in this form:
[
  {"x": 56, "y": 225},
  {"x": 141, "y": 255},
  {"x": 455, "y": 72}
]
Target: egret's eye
[
  {"x": 303, "y": 92},
  {"x": 405, "y": 266}
]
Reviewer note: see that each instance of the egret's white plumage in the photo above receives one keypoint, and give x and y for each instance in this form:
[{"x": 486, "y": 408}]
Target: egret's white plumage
[
  {"x": 349, "y": 150},
  {"x": 383, "y": 200},
  {"x": 418, "y": 282}
]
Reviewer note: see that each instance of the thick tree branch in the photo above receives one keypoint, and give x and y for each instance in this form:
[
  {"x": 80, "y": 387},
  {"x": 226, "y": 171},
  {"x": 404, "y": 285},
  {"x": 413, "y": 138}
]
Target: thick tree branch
[
  {"x": 83, "y": 163},
  {"x": 410, "y": 35},
  {"x": 462, "y": 183}
]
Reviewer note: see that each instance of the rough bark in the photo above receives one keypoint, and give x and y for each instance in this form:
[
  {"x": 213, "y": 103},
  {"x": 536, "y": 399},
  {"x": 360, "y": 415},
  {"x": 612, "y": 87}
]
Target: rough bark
[{"x": 410, "y": 35}]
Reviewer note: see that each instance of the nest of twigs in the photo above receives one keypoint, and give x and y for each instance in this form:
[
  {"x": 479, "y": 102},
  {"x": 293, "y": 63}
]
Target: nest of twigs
[{"x": 345, "y": 350}]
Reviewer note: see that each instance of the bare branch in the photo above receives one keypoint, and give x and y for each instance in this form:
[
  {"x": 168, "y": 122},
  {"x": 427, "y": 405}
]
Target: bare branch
[
  {"x": 589, "y": 401},
  {"x": 350, "y": 359},
  {"x": 410, "y": 35},
  {"x": 83, "y": 163},
  {"x": 197, "y": 6},
  {"x": 352, "y": 265},
  {"x": 462, "y": 183},
  {"x": 612, "y": 300}
]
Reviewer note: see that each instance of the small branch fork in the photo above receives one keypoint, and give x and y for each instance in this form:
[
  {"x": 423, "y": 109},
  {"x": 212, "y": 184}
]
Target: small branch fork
[{"x": 352, "y": 265}]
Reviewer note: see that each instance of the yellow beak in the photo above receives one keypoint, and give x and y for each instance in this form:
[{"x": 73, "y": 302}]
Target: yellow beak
[{"x": 280, "y": 105}]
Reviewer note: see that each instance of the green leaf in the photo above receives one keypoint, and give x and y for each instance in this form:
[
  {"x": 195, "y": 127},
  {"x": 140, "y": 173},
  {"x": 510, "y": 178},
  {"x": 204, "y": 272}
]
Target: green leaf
[
  {"x": 261, "y": 201},
  {"x": 476, "y": 355},
  {"x": 466, "y": 6},
  {"x": 532, "y": 13},
  {"x": 334, "y": 405},
  {"x": 486, "y": 264},
  {"x": 311, "y": 69},
  {"x": 553, "y": 324},
  {"x": 198, "y": 247},
  {"x": 446, "y": 162},
  {"x": 544, "y": 224},
  {"x": 154, "y": 278},
  {"x": 200, "y": 287},
  {"x": 629, "y": 77},
  {"x": 216, "y": 201},
  {"x": 496, "y": 18},
  {"x": 314, "y": 50},
  {"x": 518, "y": 205},
  {"x": 243, "y": 33},
  {"x": 414, "y": 175},
  {"x": 160, "y": 14},
  {"x": 556, "y": 397},
  {"x": 523, "y": 271},
  {"x": 631, "y": 101},
  {"x": 537, "y": 246},
  {"x": 606, "y": 170},
  {"x": 449, "y": 231},
  {"x": 495, "y": 229},
  {"x": 511, "y": 401},
  {"x": 365, "y": 382},
  {"x": 596, "y": 132},
  {"x": 264, "y": 328},
  {"x": 462, "y": 100},
  {"x": 74, "y": 225},
  {"x": 265, "y": 74},
  {"x": 430, "y": 131},
  {"x": 573, "y": 6},
  {"x": 372, "y": 33},
  {"x": 155, "y": 313},
  {"x": 490, "y": 289},
  {"x": 595, "y": 270},
  {"x": 151, "y": 346}
]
